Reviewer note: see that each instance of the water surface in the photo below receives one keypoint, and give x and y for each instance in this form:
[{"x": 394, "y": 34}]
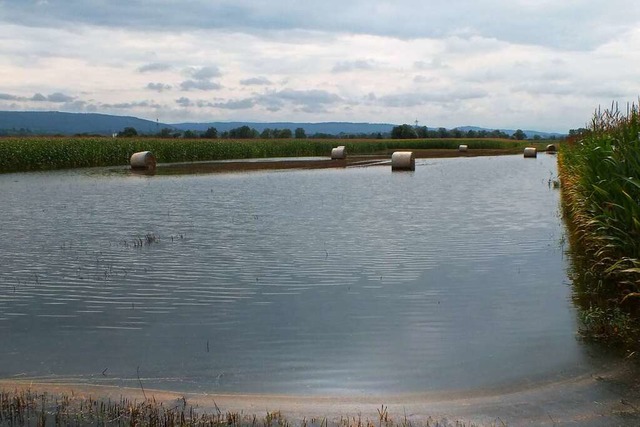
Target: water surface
[{"x": 333, "y": 281}]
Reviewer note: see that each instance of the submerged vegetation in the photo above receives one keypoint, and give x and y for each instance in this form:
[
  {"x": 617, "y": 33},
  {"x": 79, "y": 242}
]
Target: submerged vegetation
[
  {"x": 45, "y": 153},
  {"x": 600, "y": 175}
]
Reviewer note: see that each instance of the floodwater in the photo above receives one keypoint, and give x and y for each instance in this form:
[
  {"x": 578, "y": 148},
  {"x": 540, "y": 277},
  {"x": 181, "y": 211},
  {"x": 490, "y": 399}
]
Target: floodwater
[{"x": 312, "y": 282}]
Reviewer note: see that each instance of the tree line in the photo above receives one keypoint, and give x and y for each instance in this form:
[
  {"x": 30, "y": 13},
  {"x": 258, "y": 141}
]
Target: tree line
[
  {"x": 246, "y": 132},
  {"x": 404, "y": 131}
]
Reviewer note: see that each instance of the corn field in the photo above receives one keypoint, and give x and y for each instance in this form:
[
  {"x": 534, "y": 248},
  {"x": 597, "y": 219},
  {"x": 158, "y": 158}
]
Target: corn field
[
  {"x": 19, "y": 154},
  {"x": 600, "y": 176}
]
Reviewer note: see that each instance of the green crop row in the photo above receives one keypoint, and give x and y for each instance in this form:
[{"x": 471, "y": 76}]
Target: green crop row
[{"x": 43, "y": 153}]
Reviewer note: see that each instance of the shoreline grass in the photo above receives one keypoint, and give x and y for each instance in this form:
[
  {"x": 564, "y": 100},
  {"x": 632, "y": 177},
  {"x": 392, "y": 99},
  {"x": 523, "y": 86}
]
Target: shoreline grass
[
  {"x": 600, "y": 177},
  {"x": 20, "y": 154},
  {"x": 32, "y": 408}
]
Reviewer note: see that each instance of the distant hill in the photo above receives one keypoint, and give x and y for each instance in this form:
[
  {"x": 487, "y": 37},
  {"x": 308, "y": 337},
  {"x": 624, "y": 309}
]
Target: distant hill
[
  {"x": 53, "y": 122},
  {"x": 332, "y": 128}
]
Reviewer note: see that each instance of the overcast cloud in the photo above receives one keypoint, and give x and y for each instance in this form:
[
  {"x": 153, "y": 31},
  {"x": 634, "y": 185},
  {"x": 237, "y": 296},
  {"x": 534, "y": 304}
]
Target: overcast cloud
[{"x": 543, "y": 64}]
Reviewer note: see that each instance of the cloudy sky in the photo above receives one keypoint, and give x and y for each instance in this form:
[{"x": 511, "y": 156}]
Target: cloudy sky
[{"x": 530, "y": 64}]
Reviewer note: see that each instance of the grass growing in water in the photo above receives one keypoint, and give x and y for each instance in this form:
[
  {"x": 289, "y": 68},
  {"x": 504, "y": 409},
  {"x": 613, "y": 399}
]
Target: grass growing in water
[
  {"x": 600, "y": 175},
  {"x": 44, "y": 153},
  {"x": 30, "y": 408}
]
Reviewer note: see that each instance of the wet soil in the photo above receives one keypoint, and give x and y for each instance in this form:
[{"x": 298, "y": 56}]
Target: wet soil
[
  {"x": 313, "y": 163},
  {"x": 608, "y": 397}
]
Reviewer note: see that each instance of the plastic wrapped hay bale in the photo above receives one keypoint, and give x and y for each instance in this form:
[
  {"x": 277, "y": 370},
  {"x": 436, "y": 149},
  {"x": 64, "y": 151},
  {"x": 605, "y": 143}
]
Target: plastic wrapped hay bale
[
  {"x": 463, "y": 148},
  {"x": 143, "y": 160},
  {"x": 530, "y": 152},
  {"x": 403, "y": 160},
  {"x": 339, "y": 153}
]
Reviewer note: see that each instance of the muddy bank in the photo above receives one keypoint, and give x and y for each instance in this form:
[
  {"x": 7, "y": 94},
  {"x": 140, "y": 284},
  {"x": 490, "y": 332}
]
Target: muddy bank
[
  {"x": 312, "y": 163},
  {"x": 603, "y": 398}
]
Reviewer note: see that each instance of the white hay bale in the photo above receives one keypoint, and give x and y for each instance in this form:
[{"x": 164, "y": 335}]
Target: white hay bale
[
  {"x": 463, "y": 148},
  {"x": 339, "y": 153},
  {"x": 530, "y": 152},
  {"x": 403, "y": 160},
  {"x": 143, "y": 160},
  {"x": 551, "y": 148}
]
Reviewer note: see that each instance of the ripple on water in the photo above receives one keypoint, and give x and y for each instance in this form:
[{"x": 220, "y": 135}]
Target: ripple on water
[{"x": 307, "y": 281}]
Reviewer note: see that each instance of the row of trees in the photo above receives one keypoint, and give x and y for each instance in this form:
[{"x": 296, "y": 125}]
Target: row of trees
[
  {"x": 245, "y": 132},
  {"x": 406, "y": 131},
  {"x": 242, "y": 132}
]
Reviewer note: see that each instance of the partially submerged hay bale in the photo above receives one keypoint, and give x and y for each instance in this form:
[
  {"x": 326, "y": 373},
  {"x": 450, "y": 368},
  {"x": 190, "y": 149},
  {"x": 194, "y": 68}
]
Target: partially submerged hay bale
[
  {"x": 530, "y": 152},
  {"x": 143, "y": 160},
  {"x": 551, "y": 148},
  {"x": 403, "y": 160},
  {"x": 339, "y": 153},
  {"x": 463, "y": 148}
]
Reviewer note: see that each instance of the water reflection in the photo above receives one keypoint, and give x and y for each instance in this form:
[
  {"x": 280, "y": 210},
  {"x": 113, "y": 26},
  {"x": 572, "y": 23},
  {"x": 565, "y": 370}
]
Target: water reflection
[{"x": 324, "y": 281}]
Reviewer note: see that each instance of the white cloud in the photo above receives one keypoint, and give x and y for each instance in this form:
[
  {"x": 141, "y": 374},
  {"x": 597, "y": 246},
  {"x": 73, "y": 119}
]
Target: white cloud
[
  {"x": 357, "y": 65},
  {"x": 156, "y": 66},
  {"x": 184, "y": 102},
  {"x": 9, "y": 97},
  {"x": 256, "y": 81},
  {"x": 519, "y": 64},
  {"x": 241, "y": 104},
  {"x": 204, "y": 73},
  {"x": 38, "y": 97},
  {"x": 158, "y": 87},
  {"x": 549, "y": 23},
  {"x": 199, "y": 85},
  {"x": 59, "y": 97}
]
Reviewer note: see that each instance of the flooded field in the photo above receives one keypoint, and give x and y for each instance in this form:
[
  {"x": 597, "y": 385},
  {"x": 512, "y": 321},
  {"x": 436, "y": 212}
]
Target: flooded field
[{"x": 351, "y": 281}]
